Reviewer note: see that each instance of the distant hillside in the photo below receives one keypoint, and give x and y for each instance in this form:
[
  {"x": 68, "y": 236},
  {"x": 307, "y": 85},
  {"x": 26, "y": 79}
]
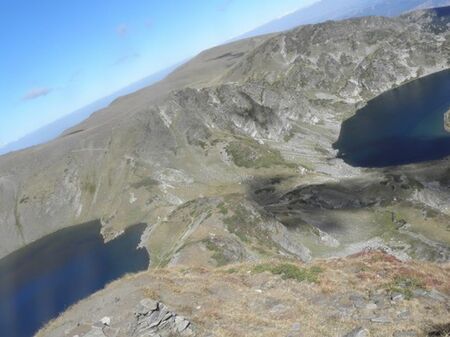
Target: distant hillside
[
  {"x": 56, "y": 128},
  {"x": 321, "y": 11},
  {"x": 324, "y": 10}
]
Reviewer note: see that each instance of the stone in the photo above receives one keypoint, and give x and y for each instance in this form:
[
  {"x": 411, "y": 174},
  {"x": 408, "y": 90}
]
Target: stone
[
  {"x": 403, "y": 315},
  {"x": 296, "y": 326},
  {"x": 106, "y": 321},
  {"x": 420, "y": 293},
  {"x": 187, "y": 332},
  {"x": 409, "y": 333},
  {"x": 279, "y": 308},
  {"x": 155, "y": 319},
  {"x": 167, "y": 316},
  {"x": 147, "y": 305},
  {"x": 95, "y": 332},
  {"x": 358, "y": 301},
  {"x": 358, "y": 332},
  {"x": 181, "y": 324},
  {"x": 381, "y": 320},
  {"x": 397, "y": 297},
  {"x": 371, "y": 306},
  {"x": 436, "y": 295},
  {"x": 344, "y": 311},
  {"x": 379, "y": 300}
]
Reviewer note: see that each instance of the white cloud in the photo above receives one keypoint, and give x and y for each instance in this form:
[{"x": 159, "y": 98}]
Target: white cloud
[
  {"x": 36, "y": 93},
  {"x": 122, "y": 30}
]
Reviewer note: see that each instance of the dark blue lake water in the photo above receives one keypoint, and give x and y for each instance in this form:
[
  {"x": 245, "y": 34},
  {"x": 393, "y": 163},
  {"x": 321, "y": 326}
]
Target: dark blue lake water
[
  {"x": 41, "y": 280},
  {"x": 402, "y": 126}
]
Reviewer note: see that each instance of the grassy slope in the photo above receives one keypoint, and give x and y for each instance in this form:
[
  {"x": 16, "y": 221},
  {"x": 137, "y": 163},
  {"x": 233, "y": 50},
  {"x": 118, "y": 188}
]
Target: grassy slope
[{"x": 274, "y": 297}]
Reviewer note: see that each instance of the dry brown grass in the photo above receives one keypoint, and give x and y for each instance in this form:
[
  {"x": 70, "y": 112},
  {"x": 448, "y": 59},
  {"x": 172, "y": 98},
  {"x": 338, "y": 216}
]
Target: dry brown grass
[{"x": 236, "y": 301}]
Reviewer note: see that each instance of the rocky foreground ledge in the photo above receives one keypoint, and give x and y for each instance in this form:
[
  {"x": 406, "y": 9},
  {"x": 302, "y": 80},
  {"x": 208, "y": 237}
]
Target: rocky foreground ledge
[{"x": 369, "y": 294}]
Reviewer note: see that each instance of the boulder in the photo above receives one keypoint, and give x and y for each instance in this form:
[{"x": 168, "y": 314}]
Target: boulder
[
  {"x": 155, "y": 319},
  {"x": 106, "y": 321},
  {"x": 358, "y": 332}
]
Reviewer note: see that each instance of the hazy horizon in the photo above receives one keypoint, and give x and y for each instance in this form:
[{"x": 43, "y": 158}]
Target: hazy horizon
[{"x": 64, "y": 57}]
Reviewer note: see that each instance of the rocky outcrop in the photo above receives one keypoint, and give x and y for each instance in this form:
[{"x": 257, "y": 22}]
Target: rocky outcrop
[
  {"x": 150, "y": 319},
  {"x": 155, "y": 319}
]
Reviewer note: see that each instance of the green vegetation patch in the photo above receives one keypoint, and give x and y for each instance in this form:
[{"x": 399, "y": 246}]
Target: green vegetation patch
[
  {"x": 146, "y": 182},
  {"x": 24, "y": 200},
  {"x": 222, "y": 208},
  {"x": 251, "y": 154},
  {"x": 289, "y": 271},
  {"x": 249, "y": 229},
  {"x": 243, "y": 224},
  {"x": 405, "y": 286},
  {"x": 89, "y": 187},
  {"x": 218, "y": 254}
]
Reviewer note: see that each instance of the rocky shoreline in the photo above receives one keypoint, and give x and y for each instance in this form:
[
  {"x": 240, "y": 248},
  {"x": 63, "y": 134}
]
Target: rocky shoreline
[{"x": 447, "y": 120}]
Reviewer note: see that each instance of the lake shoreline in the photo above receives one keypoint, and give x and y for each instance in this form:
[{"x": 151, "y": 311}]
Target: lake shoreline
[
  {"x": 406, "y": 125},
  {"x": 59, "y": 270}
]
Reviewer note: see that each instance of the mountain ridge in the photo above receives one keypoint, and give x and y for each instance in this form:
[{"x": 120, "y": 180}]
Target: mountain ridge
[
  {"x": 227, "y": 143},
  {"x": 58, "y": 127},
  {"x": 324, "y": 10}
]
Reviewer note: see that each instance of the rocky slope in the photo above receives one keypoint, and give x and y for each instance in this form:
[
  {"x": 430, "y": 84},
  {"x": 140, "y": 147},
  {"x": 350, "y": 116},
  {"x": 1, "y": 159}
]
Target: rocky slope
[
  {"x": 217, "y": 157},
  {"x": 370, "y": 294}
]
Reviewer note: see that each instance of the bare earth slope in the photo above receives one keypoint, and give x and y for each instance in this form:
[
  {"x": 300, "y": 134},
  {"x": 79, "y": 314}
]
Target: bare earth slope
[{"x": 212, "y": 156}]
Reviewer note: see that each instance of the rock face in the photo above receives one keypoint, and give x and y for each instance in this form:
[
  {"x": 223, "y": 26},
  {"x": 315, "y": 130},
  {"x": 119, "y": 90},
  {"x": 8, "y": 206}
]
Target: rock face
[
  {"x": 150, "y": 319},
  {"x": 154, "y": 319},
  {"x": 194, "y": 154}
]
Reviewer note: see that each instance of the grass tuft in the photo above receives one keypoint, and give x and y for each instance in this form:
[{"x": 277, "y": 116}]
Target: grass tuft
[
  {"x": 291, "y": 271},
  {"x": 218, "y": 253},
  {"x": 222, "y": 208},
  {"x": 405, "y": 286},
  {"x": 442, "y": 330},
  {"x": 251, "y": 154}
]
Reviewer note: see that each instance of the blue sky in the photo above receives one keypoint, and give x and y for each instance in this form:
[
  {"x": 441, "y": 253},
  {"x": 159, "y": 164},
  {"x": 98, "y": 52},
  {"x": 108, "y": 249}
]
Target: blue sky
[{"x": 59, "y": 55}]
